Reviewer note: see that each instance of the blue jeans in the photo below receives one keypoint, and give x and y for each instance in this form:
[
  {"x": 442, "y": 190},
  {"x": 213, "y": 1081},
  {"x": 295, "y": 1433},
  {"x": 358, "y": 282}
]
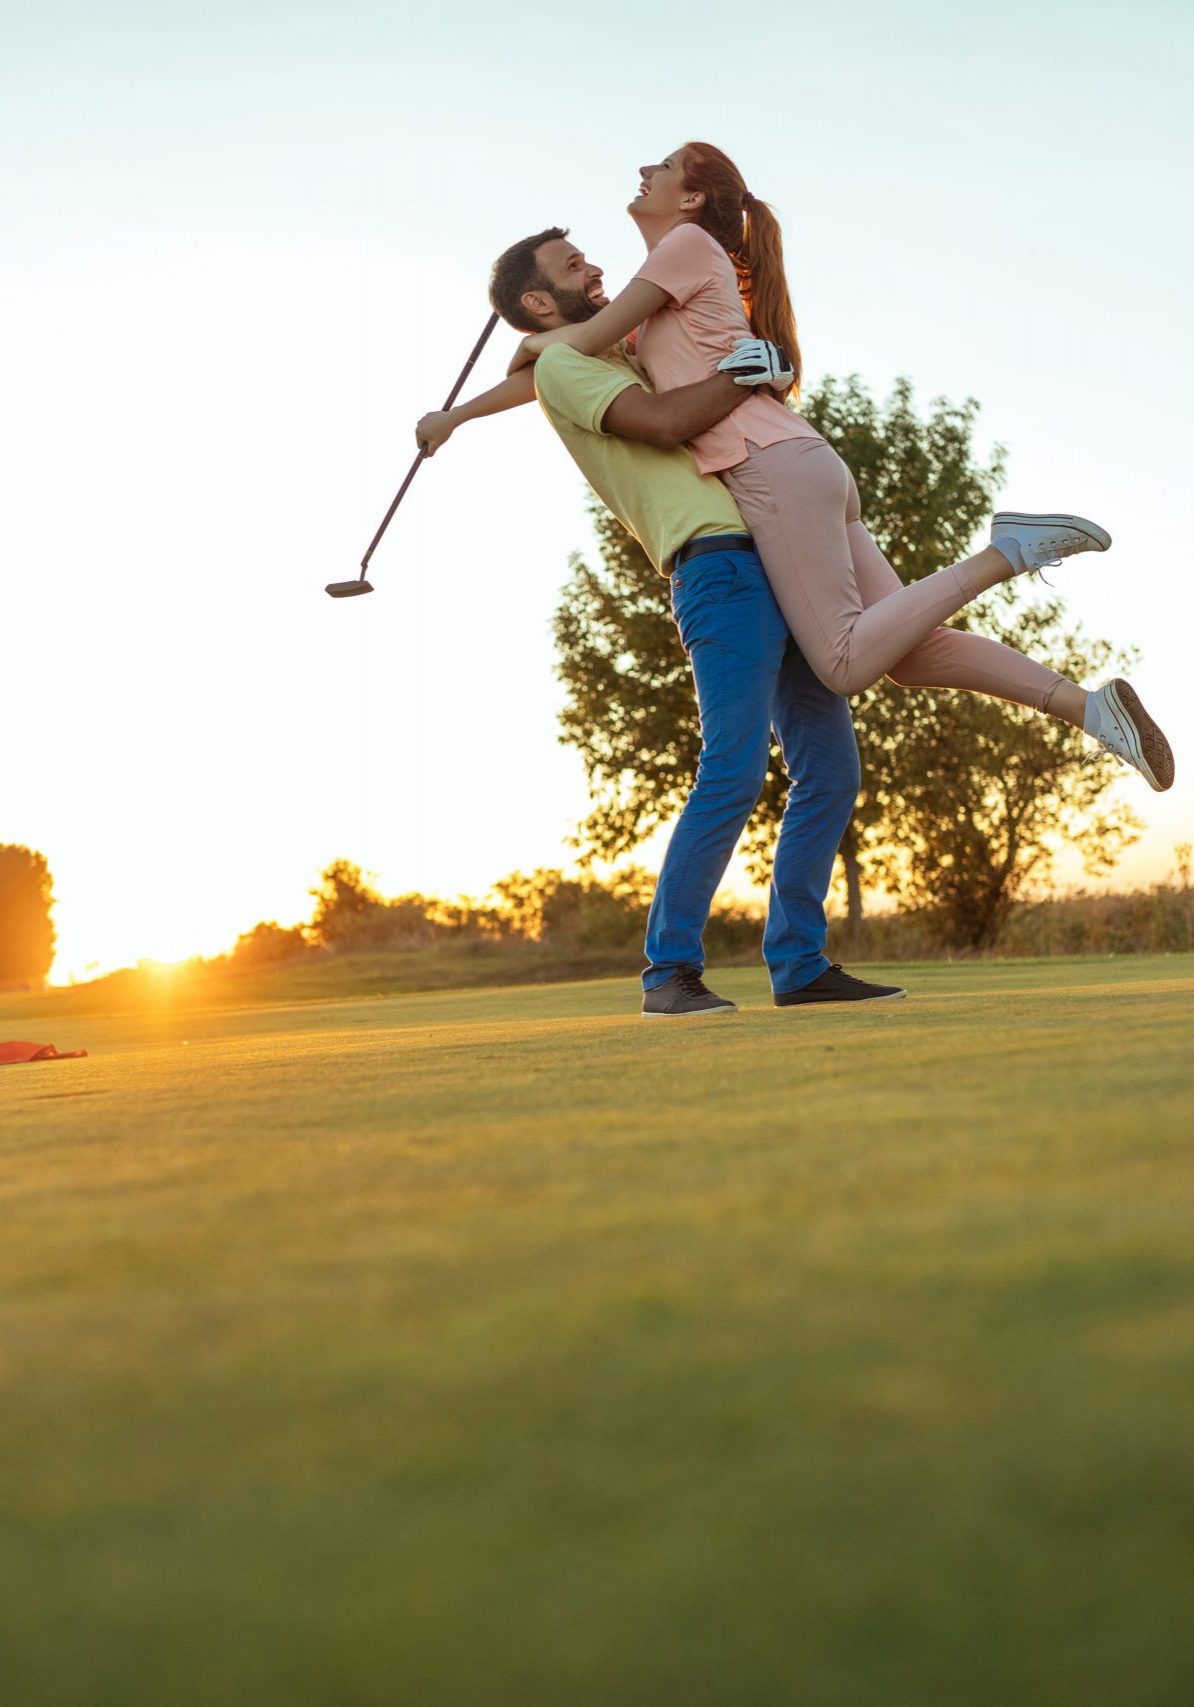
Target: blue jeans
[{"x": 750, "y": 678}]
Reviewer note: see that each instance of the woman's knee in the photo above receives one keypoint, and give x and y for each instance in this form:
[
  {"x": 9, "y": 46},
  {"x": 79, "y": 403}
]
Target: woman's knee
[
  {"x": 839, "y": 676},
  {"x": 922, "y": 666}
]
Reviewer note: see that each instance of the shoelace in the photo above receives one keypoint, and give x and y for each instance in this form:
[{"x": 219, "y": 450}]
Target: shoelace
[
  {"x": 836, "y": 966},
  {"x": 691, "y": 982},
  {"x": 1036, "y": 571},
  {"x": 1056, "y": 542},
  {"x": 1066, "y": 541},
  {"x": 1104, "y": 750}
]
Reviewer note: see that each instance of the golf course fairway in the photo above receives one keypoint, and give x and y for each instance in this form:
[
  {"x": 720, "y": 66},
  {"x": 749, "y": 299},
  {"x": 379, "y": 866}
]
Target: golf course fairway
[{"x": 498, "y": 1349}]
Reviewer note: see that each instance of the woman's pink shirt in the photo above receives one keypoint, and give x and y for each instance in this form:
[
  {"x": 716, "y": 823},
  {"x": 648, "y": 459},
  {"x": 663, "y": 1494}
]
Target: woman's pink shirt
[{"x": 684, "y": 342}]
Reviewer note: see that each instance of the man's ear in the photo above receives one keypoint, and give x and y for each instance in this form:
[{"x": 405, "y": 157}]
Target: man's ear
[{"x": 538, "y": 304}]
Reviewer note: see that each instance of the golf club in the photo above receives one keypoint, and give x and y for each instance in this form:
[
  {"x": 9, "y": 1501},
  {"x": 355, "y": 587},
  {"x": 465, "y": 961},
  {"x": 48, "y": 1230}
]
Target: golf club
[{"x": 350, "y": 589}]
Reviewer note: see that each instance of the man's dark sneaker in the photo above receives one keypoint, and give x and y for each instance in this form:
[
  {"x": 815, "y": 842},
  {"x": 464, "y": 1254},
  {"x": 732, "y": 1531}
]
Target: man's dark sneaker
[
  {"x": 684, "y": 996},
  {"x": 835, "y": 985}
]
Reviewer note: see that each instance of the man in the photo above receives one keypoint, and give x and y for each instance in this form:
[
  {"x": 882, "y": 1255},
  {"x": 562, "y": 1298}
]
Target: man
[{"x": 750, "y": 677}]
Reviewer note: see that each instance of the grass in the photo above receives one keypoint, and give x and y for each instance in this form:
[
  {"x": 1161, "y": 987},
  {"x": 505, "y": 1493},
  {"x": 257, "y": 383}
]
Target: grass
[{"x": 491, "y": 1347}]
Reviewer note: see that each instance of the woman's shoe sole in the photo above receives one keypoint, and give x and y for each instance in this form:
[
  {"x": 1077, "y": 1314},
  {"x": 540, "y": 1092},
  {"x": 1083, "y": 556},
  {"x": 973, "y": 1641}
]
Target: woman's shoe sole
[{"x": 1152, "y": 752}]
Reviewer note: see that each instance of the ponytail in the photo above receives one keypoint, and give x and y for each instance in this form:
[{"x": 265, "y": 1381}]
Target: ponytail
[{"x": 749, "y": 232}]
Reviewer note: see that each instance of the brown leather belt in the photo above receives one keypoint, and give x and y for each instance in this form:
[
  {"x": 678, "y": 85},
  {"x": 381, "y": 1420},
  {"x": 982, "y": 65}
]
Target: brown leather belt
[{"x": 714, "y": 542}]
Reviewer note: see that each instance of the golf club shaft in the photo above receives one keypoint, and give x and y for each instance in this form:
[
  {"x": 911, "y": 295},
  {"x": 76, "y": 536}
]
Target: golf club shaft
[{"x": 422, "y": 456}]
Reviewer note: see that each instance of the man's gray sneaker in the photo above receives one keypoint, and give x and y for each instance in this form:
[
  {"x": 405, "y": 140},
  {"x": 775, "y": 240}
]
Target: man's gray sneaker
[
  {"x": 684, "y": 996},
  {"x": 834, "y": 985}
]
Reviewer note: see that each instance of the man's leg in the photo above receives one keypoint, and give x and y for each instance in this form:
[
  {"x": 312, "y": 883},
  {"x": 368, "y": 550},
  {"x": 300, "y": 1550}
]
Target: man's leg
[
  {"x": 821, "y": 758},
  {"x": 735, "y": 637}
]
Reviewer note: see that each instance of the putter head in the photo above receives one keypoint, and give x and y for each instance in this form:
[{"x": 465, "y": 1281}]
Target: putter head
[{"x": 347, "y": 589}]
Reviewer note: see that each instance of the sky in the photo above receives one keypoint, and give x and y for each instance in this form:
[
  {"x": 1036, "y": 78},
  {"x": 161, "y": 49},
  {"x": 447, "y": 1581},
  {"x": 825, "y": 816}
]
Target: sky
[{"x": 245, "y": 246}]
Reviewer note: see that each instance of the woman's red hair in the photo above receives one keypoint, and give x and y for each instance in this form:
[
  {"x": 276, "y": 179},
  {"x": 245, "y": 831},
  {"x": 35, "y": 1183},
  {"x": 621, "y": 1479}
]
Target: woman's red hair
[{"x": 749, "y": 233}]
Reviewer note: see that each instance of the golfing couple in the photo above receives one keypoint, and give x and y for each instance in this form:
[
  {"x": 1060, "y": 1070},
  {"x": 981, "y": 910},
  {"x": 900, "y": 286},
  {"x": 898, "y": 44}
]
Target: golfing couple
[{"x": 668, "y": 399}]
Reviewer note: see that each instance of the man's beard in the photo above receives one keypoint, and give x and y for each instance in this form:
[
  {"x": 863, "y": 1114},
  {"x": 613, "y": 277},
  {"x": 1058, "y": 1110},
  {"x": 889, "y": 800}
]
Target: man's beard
[{"x": 573, "y": 306}]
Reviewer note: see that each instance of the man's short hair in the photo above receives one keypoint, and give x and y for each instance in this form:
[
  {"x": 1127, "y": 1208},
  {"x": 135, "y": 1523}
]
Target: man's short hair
[{"x": 515, "y": 272}]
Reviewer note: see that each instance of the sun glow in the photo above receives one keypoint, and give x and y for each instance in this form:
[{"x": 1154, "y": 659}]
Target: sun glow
[{"x": 164, "y": 970}]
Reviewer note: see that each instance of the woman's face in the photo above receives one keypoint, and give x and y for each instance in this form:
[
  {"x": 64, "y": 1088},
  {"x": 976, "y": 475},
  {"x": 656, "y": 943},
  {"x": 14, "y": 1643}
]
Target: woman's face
[{"x": 662, "y": 194}]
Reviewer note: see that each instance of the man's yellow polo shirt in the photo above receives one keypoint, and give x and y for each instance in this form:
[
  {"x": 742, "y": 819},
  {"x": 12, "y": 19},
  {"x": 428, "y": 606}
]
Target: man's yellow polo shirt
[{"x": 657, "y": 494}]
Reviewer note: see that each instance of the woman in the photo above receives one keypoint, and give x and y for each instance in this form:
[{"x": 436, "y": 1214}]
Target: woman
[{"x": 713, "y": 274}]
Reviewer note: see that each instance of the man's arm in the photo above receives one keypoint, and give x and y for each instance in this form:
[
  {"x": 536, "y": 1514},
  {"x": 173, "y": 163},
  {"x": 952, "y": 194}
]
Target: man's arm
[
  {"x": 437, "y": 428},
  {"x": 669, "y": 418}
]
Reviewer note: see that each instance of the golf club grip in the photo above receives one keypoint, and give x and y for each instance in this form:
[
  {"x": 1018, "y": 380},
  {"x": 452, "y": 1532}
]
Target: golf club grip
[{"x": 422, "y": 456}]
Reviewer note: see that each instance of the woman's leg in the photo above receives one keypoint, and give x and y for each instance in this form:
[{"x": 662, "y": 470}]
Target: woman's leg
[
  {"x": 950, "y": 658},
  {"x": 799, "y": 501}
]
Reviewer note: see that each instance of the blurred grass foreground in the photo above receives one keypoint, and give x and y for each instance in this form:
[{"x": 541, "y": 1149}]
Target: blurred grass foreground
[{"x": 490, "y": 1348}]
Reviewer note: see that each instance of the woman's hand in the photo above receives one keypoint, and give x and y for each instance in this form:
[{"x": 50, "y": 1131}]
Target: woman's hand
[
  {"x": 435, "y": 430},
  {"x": 531, "y": 348},
  {"x": 602, "y": 331}
]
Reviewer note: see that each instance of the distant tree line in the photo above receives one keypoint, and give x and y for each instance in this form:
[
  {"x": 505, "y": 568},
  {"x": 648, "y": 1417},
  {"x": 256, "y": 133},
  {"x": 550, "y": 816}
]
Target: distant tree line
[
  {"x": 583, "y": 915},
  {"x": 544, "y": 907}
]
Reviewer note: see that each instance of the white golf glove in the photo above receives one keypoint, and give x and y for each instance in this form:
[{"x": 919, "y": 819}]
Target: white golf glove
[{"x": 753, "y": 361}]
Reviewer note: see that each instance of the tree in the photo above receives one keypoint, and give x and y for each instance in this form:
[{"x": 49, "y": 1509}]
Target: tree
[
  {"x": 576, "y": 912},
  {"x": 351, "y": 916},
  {"x": 630, "y": 712},
  {"x": 344, "y": 904},
  {"x": 27, "y": 935},
  {"x": 269, "y": 944},
  {"x": 962, "y": 801}
]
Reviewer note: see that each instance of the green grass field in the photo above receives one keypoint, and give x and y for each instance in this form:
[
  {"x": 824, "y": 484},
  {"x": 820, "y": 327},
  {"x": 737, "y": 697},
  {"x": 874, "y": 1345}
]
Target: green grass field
[{"x": 495, "y": 1349}]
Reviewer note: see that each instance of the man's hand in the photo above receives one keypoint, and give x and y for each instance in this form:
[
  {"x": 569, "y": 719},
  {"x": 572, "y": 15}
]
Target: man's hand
[
  {"x": 753, "y": 361},
  {"x": 435, "y": 430}
]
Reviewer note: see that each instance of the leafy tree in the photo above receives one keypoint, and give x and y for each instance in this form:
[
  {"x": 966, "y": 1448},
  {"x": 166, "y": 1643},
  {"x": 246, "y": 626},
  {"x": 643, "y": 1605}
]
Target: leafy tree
[
  {"x": 963, "y": 800},
  {"x": 630, "y": 712},
  {"x": 350, "y": 915},
  {"x": 342, "y": 900},
  {"x": 545, "y": 906},
  {"x": 27, "y": 935},
  {"x": 269, "y": 944}
]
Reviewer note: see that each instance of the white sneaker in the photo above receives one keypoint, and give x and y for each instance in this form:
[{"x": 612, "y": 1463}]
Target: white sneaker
[
  {"x": 1117, "y": 720},
  {"x": 1045, "y": 540}
]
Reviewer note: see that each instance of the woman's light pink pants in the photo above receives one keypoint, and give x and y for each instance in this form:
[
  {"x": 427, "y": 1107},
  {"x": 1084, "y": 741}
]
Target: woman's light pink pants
[{"x": 851, "y": 615}]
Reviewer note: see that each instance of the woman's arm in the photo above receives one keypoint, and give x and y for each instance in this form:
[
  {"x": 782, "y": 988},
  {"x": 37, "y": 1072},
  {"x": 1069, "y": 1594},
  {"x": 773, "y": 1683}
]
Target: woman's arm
[
  {"x": 629, "y": 309},
  {"x": 437, "y": 428}
]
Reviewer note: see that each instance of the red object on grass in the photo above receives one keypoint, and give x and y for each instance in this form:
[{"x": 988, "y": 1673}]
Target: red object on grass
[{"x": 11, "y": 1054}]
